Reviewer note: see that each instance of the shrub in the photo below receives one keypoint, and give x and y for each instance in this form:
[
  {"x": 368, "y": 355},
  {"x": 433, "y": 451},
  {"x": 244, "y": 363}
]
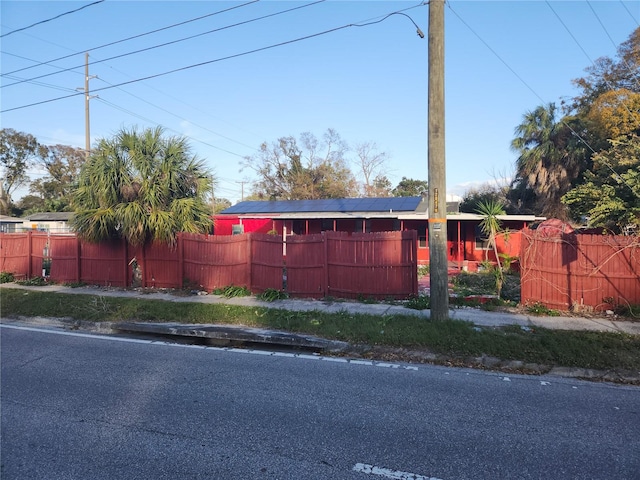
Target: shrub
[
  {"x": 33, "y": 282},
  {"x": 420, "y": 302},
  {"x": 232, "y": 291},
  {"x": 6, "y": 277},
  {"x": 271, "y": 294},
  {"x": 423, "y": 270},
  {"x": 538, "y": 308}
]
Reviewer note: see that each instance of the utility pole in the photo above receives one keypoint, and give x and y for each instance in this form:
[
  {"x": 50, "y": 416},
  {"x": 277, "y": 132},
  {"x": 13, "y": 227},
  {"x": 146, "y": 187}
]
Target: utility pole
[
  {"x": 87, "y": 97},
  {"x": 438, "y": 267},
  {"x": 242, "y": 189}
]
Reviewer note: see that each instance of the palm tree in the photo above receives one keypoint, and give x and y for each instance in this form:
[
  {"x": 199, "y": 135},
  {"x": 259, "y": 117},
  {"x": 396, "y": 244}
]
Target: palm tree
[
  {"x": 141, "y": 186},
  {"x": 490, "y": 225},
  {"x": 550, "y": 158}
]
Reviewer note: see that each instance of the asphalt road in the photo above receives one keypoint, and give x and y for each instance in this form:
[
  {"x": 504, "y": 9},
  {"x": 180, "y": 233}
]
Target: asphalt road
[{"x": 78, "y": 406}]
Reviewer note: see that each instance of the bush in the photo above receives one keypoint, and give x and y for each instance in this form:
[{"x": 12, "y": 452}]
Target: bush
[
  {"x": 423, "y": 270},
  {"x": 232, "y": 291},
  {"x": 271, "y": 294},
  {"x": 420, "y": 302},
  {"x": 33, "y": 282},
  {"x": 6, "y": 277}
]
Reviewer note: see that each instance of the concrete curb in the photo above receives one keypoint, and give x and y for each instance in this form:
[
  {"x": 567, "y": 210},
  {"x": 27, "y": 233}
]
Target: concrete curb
[{"x": 226, "y": 335}]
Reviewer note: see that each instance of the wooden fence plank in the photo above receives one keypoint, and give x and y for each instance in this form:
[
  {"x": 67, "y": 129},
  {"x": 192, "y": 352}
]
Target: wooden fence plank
[
  {"x": 580, "y": 272},
  {"x": 379, "y": 265}
]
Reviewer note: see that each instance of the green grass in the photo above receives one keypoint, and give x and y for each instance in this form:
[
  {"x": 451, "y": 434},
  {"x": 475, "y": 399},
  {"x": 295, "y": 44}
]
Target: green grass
[
  {"x": 456, "y": 338},
  {"x": 231, "y": 291}
]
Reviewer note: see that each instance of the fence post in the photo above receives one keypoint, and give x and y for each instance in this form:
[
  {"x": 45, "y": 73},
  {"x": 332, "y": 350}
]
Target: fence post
[
  {"x": 29, "y": 249},
  {"x": 78, "y": 260},
  {"x": 325, "y": 241},
  {"x": 414, "y": 257},
  {"x": 126, "y": 262},
  {"x": 249, "y": 261},
  {"x": 143, "y": 262},
  {"x": 180, "y": 260}
]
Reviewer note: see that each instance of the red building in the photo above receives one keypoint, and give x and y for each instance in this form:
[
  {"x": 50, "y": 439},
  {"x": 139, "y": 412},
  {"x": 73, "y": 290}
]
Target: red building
[{"x": 466, "y": 243}]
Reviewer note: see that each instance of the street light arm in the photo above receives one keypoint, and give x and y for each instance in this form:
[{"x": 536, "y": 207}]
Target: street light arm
[{"x": 418, "y": 31}]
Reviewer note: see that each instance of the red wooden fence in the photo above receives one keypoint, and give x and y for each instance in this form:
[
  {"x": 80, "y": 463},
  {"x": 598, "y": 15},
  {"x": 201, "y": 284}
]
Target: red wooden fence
[
  {"x": 379, "y": 265},
  {"x": 580, "y": 272}
]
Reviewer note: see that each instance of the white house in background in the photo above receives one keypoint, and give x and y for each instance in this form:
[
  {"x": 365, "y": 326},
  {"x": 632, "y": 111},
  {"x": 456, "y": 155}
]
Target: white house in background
[
  {"x": 10, "y": 224},
  {"x": 52, "y": 222}
]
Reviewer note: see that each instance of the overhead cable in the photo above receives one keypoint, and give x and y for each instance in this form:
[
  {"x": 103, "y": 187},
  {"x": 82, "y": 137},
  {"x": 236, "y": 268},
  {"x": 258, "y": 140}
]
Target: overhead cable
[
  {"x": 50, "y": 19},
  {"x": 634, "y": 73},
  {"x": 571, "y": 129},
  {"x": 188, "y": 67},
  {"x": 132, "y": 37},
  {"x": 169, "y": 43}
]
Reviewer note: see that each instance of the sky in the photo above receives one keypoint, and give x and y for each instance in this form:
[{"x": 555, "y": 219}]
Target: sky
[{"x": 242, "y": 80}]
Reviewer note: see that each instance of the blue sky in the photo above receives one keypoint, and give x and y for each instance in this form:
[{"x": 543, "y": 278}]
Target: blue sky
[{"x": 368, "y": 83}]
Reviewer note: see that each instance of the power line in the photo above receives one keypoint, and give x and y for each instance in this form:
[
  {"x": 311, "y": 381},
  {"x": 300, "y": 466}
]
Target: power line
[
  {"x": 172, "y": 42},
  {"x": 190, "y": 121},
  {"x": 132, "y": 37},
  {"x": 609, "y": 84},
  {"x": 48, "y": 85},
  {"x": 571, "y": 129},
  {"x": 633, "y": 73},
  {"x": 122, "y": 109},
  {"x": 495, "y": 53},
  {"x": 629, "y": 12},
  {"x": 50, "y": 19},
  {"x": 188, "y": 67},
  {"x": 66, "y": 89}
]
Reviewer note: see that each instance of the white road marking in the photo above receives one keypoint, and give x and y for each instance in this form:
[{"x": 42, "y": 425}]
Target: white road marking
[
  {"x": 303, "y": 356},
  {"x": 545, "y": 383},
  {"x": 388, "y": 473},
  {"x": 506, "y": 379},
  {"x": 362, "y": 362}
]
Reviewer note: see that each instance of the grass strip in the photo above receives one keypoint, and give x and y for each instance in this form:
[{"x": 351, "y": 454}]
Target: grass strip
[{"x": 582, "y": 349}]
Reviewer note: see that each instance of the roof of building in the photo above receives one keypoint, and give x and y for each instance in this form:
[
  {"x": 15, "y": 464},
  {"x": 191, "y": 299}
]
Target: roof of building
[
  {"x": 402, "y": 208},
  {"x": 50, "y": 217},
  {"x": 7, "y": 219},
  {"x": 333, "y": 205}
]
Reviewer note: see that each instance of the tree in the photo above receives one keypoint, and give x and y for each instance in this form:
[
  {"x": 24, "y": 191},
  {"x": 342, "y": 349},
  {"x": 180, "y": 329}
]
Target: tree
[
  {"x": 550, "y": 158},
  {"x": 289, "y": 169},
  {"x": 490, "y": 225},
  {"x": 482, "y": 194},
  {"x": 372, "y": 163},
  {"x": 221, "y": 204},
  {"x": 143, "y": 187},
  {"x": 63, "y": 165},
  {"x": 408, "y": 187},
  {"x": 615, "y": 113},
  {"x": 610, "y": 194},
  {"x": 30, "y": 204},
  {"x": 18, "y": 152},
  {"x": 610, "y": 74},
  {"x": 381, "y": 187}
]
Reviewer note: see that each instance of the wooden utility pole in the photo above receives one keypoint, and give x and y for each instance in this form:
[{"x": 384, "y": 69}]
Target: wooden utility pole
[
  {"x": 87, "y": 97},
  {"x": 242, "y": 189},
  {"x": 436, "y": 167}
]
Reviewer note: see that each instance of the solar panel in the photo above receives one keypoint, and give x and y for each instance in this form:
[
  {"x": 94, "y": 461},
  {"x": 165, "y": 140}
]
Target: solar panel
[{"x": 396, "y": 204}]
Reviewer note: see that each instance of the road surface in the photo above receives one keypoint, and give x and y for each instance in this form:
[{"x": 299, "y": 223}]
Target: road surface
[{"x": 81, "y": 406}]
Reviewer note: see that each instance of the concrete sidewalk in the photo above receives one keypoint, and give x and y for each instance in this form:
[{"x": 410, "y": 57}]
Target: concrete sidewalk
[{"x": 474, "y": 315}]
